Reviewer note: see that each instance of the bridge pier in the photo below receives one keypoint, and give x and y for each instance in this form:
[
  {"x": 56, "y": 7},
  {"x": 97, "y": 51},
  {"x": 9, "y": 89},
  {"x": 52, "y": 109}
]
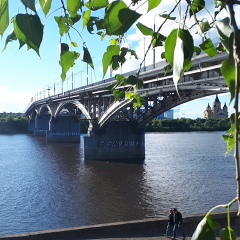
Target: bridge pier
[
  {"x": 42, "y": 124},
  {"x": 31, "y": 125},
  {"x": 117, "y": 140},
  {"x": 64, "y": 129}
]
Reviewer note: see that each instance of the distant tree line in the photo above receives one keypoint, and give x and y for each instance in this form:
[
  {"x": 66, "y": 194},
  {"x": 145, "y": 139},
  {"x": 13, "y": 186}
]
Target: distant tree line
[
  {"x": 187, "y": 124},
  {"x": 16, "y": 123},
  {"x": 13, "y": 123},
  {"x": 179, "y": 125}
]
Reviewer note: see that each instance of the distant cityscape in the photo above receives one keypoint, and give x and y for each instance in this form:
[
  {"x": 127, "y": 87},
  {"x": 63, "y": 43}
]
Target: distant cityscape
[{"x": 166, "y": 115}]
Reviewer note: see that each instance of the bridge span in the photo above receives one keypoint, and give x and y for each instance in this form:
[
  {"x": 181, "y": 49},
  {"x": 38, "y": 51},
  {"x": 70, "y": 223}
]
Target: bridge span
[{"x": 115, "y": 130}]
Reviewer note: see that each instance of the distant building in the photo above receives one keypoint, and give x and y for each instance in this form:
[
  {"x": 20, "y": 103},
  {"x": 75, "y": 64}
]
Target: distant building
[
  {"x": 216, "y": 112},
  {"x": 166, "y": 115}
]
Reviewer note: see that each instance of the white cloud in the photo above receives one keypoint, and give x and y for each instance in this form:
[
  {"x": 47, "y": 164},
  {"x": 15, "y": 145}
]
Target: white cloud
[{"x": 14, "y": 101}]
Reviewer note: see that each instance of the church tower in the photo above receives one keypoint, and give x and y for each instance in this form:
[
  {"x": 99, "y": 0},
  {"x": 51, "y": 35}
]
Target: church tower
[
  {"x": 216, "y": 112},
  {"x": 208, "y": 112}
]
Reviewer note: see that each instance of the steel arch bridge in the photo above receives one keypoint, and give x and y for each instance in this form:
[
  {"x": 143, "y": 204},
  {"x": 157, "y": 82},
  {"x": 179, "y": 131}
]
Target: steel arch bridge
[
  {"x": 98, "y": 104},
  {"x": 99, "y": 107}
]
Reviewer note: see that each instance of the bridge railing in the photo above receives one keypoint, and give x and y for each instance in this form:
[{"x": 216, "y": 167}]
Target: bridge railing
[{"x": 58, "y": 89}]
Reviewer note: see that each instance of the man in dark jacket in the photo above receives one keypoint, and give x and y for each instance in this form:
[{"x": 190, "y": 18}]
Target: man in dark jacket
[{"x": 178, "y": 222}]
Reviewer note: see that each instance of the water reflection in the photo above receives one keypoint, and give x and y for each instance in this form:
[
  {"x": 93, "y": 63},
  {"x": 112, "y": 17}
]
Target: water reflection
[{"x": 49, "y": 186}]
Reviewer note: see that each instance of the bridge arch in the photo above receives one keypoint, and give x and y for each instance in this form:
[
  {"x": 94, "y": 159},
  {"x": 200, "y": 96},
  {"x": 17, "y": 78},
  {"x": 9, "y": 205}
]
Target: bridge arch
[
  {"x": 79, "y": 105},
  {"x": 73, "y": 102},
  {"x": 45, "y": 106},
  {"x": 167, "y": 100},
  {"x": 167, "y": 103}
]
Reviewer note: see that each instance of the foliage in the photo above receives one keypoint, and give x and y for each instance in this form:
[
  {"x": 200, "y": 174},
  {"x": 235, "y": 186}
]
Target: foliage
[
  {"x": 13, "y": 123},
  {"x": 115, "y": 19},
  {"x": 187, "y": 124}
]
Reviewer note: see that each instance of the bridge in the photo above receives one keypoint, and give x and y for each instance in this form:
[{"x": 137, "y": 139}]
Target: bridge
[{"x": 115, "y": 130}]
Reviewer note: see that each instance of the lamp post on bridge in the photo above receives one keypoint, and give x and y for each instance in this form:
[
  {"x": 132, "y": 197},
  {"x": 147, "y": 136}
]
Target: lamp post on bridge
[
  {"x": 72, "y": 76},
  {"x": 48, "y": 91},
  {"x": 154, "y": 28},
  {"x": 87, "y": 74}
]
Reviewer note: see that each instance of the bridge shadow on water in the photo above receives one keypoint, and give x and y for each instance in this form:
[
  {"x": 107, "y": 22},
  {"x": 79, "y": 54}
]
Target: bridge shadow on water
[{"x": 75, "y": 151}]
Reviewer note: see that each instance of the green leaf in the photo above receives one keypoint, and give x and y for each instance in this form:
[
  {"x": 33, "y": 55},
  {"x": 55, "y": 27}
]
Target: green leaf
[
  {"x": 63, "y": 28},
  {"x": 146, "y": 31},
  {"x": 229, "y": 138},
  {"x": 170, "y": 44},
  {"x": 120, "y": 79},
  {"x": 119, "y": 95},
  {"x": 4, "y": 16},
  {"x": 208, "y": 47},
  {"x": 119, "y": 18},
  {"x": 188, "y": 47},
  {"x": 73, "y": 6},
  {"x": 132, "y": 80},
  {"x": 197, "y": 50},
  {"x": 115, "y": 62},
  {"x": 167, "y": 16},
  {"x": 220, "y": 48},
  {"x": 64, "y": 48},
  {"x": 133, "y": 53},
  {"x": 74, "y": 44},
  {"x": 75, "y": 19},
  {"x": 45, "y": 5},
  {"x": 96, "y": 4},
  {"x": 158, "y": 39},
  {"x": 212, "y": 223},
  {"x": 153, "y": 4},
  {"x": 138, "y": 102},
  {"x": 29, "y": 30},
  {"x": 11, "y": 37},
  {"x": 225, "y": 34},
  {"x": 227, "y": 233},
  {"x": 203, "y": 231},
  {"x": 167, "y": 69},
  {"x": 29, "y": 4},
  {"x": 112, "y": 50},
  {"x": 67, "y": 60},
  {"x": 197, "y": 6},
  {"x": 99, "y": 23},
  {"x": 204, "y": 26},
  {"x": 87, "y": 57},
  {"x": 228, "y": 71},
  {"x": 114, "y": 41},
  {"x": 86, "y": 17}
]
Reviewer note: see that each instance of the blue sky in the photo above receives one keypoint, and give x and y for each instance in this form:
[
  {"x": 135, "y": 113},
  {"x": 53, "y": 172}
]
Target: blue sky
[{"x": 24, "y": 74}]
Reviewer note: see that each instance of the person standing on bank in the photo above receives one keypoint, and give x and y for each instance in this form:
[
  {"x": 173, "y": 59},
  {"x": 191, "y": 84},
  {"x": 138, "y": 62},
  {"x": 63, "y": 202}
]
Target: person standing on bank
[
  {"x": 178, "y": 223},
  {"x": 170, "y": 223}
]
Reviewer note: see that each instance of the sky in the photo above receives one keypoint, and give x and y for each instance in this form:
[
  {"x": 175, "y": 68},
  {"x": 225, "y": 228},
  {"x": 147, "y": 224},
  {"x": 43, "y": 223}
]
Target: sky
[{"x": 23, "y": 74}]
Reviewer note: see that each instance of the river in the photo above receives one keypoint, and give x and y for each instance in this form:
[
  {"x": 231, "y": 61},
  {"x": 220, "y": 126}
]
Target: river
[{"x": 50, "y": 186}]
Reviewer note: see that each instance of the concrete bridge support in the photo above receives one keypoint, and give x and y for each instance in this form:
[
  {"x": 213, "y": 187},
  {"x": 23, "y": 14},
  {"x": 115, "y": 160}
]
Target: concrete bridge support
[
  {"x": 31, "y": 125},
  {"x": 42, "y": 124},
  {"x": 117, "y": 140},
  {"x": 64, "y": 129}
]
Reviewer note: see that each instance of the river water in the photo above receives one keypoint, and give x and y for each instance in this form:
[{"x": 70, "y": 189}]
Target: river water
[{"x": 50, "y": 186}]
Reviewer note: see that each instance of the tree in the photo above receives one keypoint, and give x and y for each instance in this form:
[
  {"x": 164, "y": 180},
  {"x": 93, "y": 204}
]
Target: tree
[{"x": 179, "y": 48}]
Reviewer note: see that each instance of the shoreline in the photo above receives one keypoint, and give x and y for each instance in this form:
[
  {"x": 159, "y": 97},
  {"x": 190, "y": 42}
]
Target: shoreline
[{"x": 102, "y": 231}]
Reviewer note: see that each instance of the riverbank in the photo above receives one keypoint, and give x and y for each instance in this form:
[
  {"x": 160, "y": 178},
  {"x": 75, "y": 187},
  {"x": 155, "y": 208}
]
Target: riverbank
[
  {"x": 20, "y": 124},
  {"x": 142, "y": 229}
]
